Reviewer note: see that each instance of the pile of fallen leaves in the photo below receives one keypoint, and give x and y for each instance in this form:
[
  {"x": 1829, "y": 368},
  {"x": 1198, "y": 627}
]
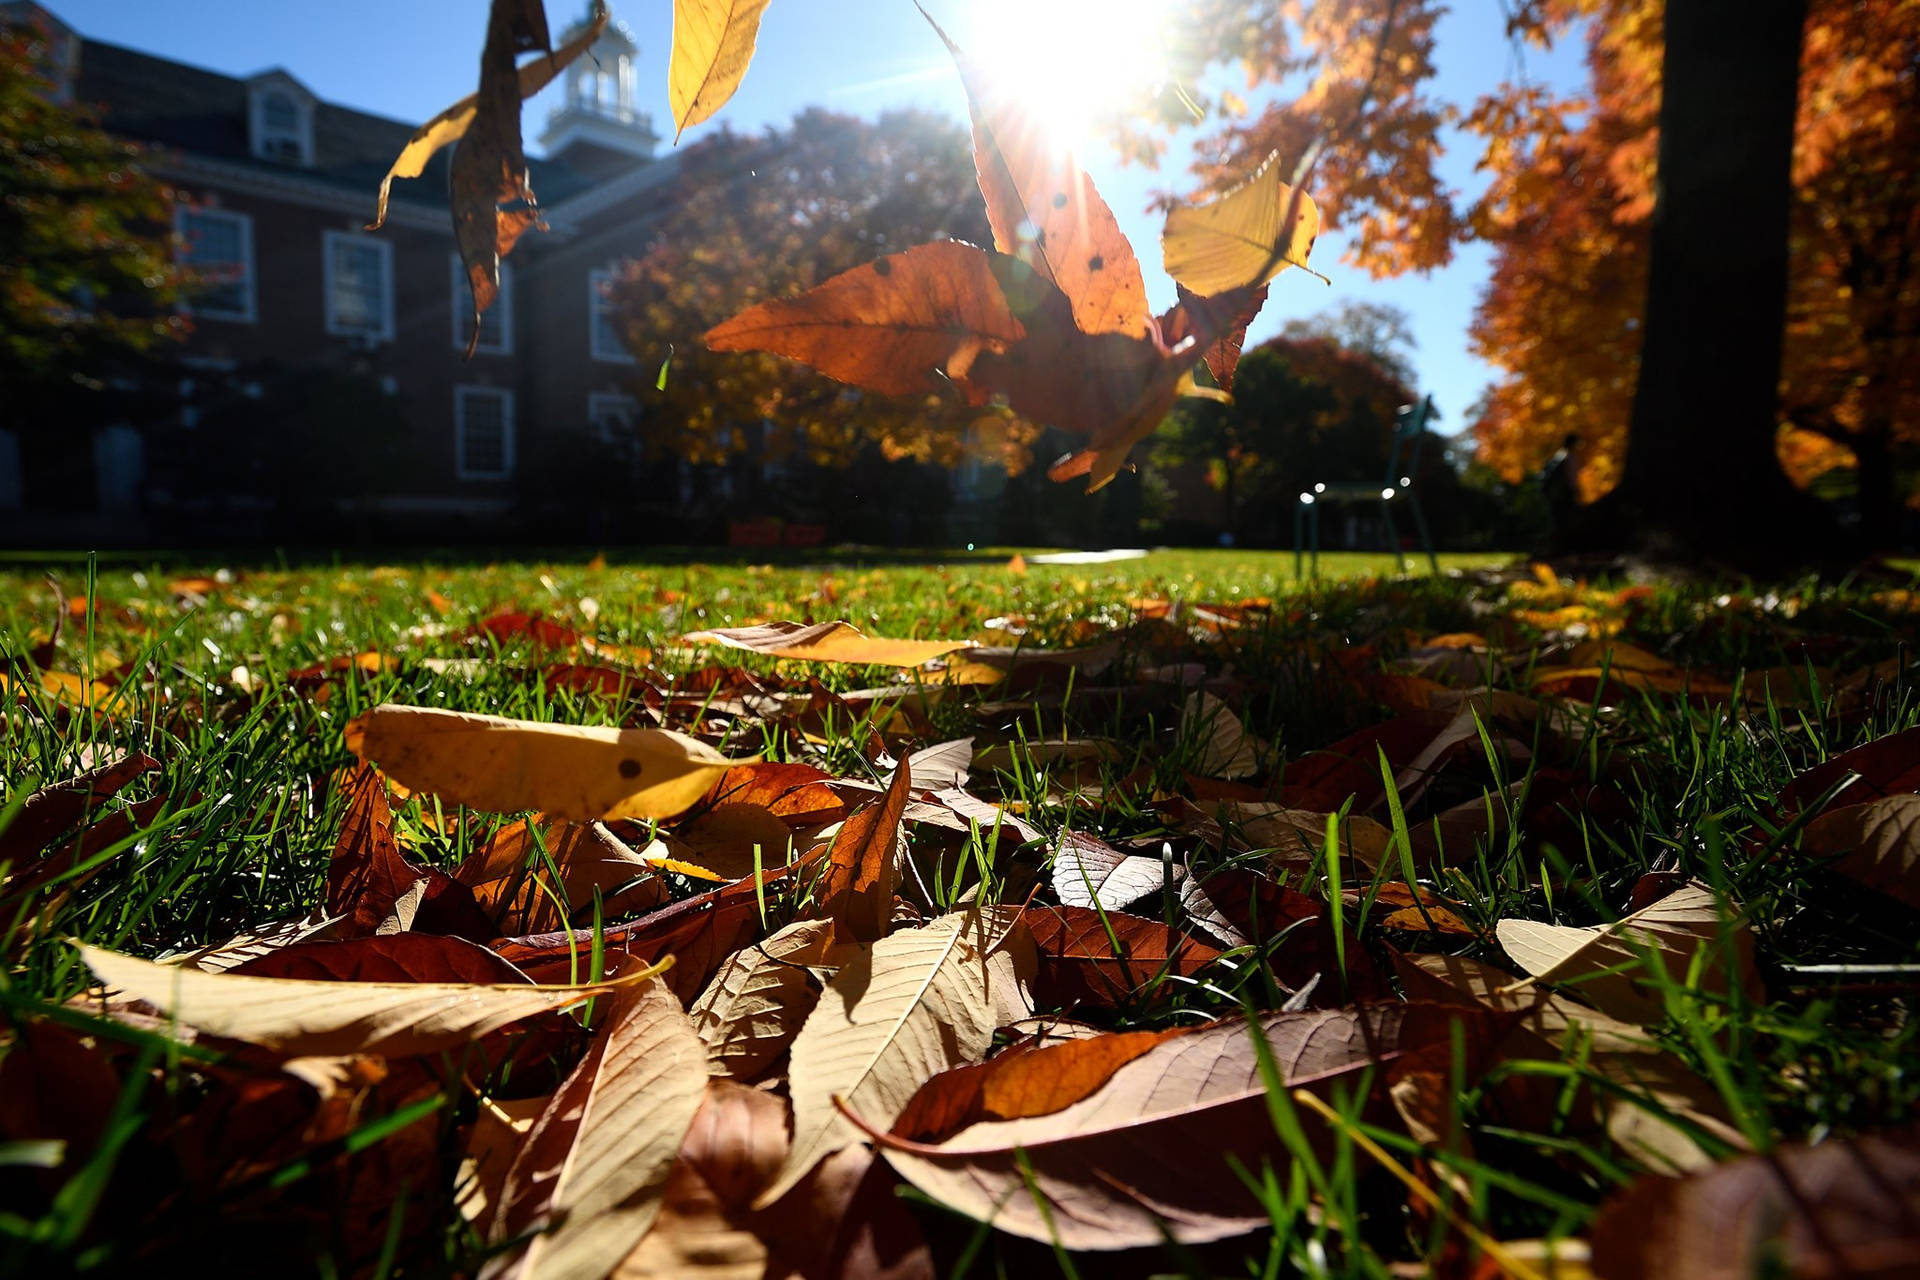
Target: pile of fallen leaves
[{"x": 663, "y": 995}]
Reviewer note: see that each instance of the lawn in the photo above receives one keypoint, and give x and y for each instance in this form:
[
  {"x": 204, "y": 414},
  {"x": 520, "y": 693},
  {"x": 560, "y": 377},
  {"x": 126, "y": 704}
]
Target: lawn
[{"x": 1491, "y": 923}]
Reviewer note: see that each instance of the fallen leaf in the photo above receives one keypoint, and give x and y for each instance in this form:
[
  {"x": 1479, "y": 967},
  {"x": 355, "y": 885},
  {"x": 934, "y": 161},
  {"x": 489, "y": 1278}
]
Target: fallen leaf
[
  {"x": 827, "y": 642},
  {"x": 1227, "y": 750},
  {"x": 592, "y": 1175},
  {"x": 569, "y": 771},
  {"x": 1244, "y": 238},
  {"x": 863, "y": 865},
  {"x": 1839, "y": 1208},
  {"x": 750, "y": 1012},
  {"x": 712, "y": 45},
  {"x": 511, "y": 882},
  {"x": 1078, "y": 960},
  {"x": 844, "y": 1221},
  {"x": 1877, "y": 843},
  {"x": 795, "y": 793},
  {"x": 368, "y": 875},
  {"x": 913, "y": 1005},
  {"x": 721, "y": 842},
  {"x": 393, "y": 958},
  {"x": 1090, "y": 873},
  {"x": 54, "y": 810},
  {"x": 310, "y": 1018},
  {"x": 1146, "y": 1156}
]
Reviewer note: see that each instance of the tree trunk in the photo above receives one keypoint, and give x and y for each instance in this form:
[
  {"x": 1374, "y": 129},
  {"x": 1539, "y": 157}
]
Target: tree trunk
[
  {"x": 1701, "y": 477},
  {"x": 1874, "y": 488}
]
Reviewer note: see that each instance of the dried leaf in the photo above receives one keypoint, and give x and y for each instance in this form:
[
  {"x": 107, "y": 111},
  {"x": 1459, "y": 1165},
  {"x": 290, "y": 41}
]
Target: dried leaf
[
  {"x": 914, "y": 1005},
  {"x": 593, "y": 1172},
  {"x": 393, "y": 958},
  {"x": 1089, "y": 873},
  {"x": 845, "y": 1222},
  {"x": 368, "y": 875},
  {"x": 863, "y": 866},
  {"x": 1227, "y": 750},
  {"x": 1078, "y": 961},
  {"x": 510, "y": 881},
  {"x": 1878, "y": 844},
  {"x": 54, "y": 810},
  {"x": 1147, "y": 1154},
  {"x": 712, "y": 45},
  {"x": 750, "y": 1012},
  {"x": 568, "y": 771},
  {"x": 721, "y": 841},
  {"x": 1243, "y": 239},
  {"x": 1840, "y": 1208},
  {"x": 827, "y": 642},
  {"x": 905, "y": 323}
]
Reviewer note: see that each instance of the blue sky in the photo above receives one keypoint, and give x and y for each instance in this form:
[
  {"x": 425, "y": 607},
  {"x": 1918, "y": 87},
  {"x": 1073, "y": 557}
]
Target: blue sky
[{"x": 410, "y": 58}]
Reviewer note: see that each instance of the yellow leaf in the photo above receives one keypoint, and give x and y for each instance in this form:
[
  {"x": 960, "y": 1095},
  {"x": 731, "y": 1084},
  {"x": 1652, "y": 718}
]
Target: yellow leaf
[
  {"x": 827, "y": 642},
  {"x": 570, "y": 771},
  {"x": 308, "y": 1018},
  {"x": 712, "y": 45},
  {"x": 1245, "y": 238}
]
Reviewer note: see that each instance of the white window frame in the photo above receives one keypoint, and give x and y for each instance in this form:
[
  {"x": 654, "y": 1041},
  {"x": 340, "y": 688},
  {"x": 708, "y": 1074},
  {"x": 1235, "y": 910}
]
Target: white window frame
[
  {"x": 597, "y": 298},
  {"x": 462, "y": 305},
  {"x": 330, "y": 240},
  {"x": 260, "y": 136},
  {"x": 620, "y": 403},
  {"x": 250, "y": 314},
  {"x": 460, "y": 468}
]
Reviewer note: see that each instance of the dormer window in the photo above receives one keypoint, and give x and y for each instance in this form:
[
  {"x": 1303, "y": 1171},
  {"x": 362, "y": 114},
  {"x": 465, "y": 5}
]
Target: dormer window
[{"x": 281, "y": 121}]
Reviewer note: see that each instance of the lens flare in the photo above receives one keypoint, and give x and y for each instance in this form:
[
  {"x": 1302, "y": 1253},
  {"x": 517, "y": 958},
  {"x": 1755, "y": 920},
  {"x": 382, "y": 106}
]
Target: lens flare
[{"x": 1074, "y": 61}]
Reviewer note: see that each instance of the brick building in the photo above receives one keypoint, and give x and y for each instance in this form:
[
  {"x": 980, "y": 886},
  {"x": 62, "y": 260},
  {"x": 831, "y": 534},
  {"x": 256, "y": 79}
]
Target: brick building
[{"x": 275, "y": 186}]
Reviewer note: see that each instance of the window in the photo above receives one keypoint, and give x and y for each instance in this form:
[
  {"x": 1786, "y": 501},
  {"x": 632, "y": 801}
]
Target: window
[
  {"x": 216, "y": 247},
  {"x": 612, "y": 415},
  {"x": 496, "y": 322},
  {"x": 282, "y": 117},
  {"x": 359, "y": 286},
  {"x": 482, "y": 433},
  {"x": 603, "y": 320}
]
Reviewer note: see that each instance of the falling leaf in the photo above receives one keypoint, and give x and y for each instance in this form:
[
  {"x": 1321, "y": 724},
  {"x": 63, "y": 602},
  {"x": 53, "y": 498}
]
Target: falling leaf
[
  {"x": 909, "y": 322},
  {"x": 593, "y": 1173},
  {"x": 1243, "y": 239},
  {"x": 1600, "y": 963},
  {"x": 750, "y": 1012},
  {"x": 1877, "y": 843},
  {"x": 1845, "y": 1207},
  {"x": 914, "y": 1005},
  {"x": 1146, "y": 1156},
  {"x": 568, "y": 771},
  {"x": 863, "y": 866},
  {"x": 1045, "y": 210},
  {"x": 452, "y": 124},
  {"x": 304, "y": 1017},
  {"x": 712, "y": 45}
]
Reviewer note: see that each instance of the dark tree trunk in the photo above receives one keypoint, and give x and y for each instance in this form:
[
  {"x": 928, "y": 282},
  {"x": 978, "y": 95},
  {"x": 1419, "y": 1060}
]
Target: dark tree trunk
[
  {"x": 1701, "y": 477},
  {"x": 1874, "y": 487}
]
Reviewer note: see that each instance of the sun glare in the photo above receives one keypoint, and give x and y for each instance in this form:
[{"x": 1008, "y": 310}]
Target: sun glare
[{"x": 1073, "y": 60}]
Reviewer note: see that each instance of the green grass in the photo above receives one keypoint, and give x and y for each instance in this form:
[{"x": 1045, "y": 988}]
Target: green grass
[{"x": 240, "y": 835}]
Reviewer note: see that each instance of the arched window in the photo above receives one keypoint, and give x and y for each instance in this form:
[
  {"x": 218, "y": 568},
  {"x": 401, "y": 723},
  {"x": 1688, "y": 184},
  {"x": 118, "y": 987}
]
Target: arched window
[{"x": 282, "y": 122}]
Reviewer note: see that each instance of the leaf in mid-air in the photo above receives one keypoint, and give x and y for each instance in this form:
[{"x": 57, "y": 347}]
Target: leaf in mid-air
[
  {"x": 712, "y": 45},
  {"x": 1242, "y": 240}
]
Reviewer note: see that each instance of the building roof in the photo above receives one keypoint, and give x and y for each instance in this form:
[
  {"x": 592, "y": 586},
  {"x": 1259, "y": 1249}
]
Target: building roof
[{"x": 205, "y": 113}]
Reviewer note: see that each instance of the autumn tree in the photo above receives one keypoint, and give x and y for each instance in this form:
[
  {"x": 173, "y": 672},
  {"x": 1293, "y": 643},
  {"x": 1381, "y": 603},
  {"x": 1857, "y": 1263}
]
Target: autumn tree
[
  {"x": 1305, "y": 406},
  {"x": 768, "y": 216},
  {"x": 1367, "y": 128},
  {"x": 87, "y": 282}
]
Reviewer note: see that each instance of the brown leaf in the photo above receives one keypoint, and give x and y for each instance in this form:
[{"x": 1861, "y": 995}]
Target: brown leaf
[
  {"x": 1242, "y": 908},
  {"x": 735, "y": 1144},
  {"x": 368, "y": 875},
  {"x": 905, "y": 323},
  {"x": 1885, "y": 767},
  {"x": 1045, "y": 211},
  {"x": 863, "y": 866},
  {"x": 1840, "y": 1208},
  {"x": 796, "y": 793},
  {"x": 722, "y": 841},
  {"x": 593, "y": 1173},
  {"x": 52, "y": 811},
  {"x": 319, "y": 1018},
  {"x": 845, "y": 1222},
  {"x": 568, "y": 771},
  {"x": 1878, "y": 844},
  {"x": 1227, "y": 750},
  {"x": 395, "y": 957},
  {"x": 1078, "y": 962},
  {"x": 1226, "y": 316},
  {"x": 510, "y": 881},
  {"x": 915, "y": 1004},
  {"x": 1146, "y": 1155}
]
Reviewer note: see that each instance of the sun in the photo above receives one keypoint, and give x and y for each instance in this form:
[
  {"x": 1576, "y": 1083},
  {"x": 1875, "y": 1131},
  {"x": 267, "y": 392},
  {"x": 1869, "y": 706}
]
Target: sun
[{"x": 1075, "y": 61}]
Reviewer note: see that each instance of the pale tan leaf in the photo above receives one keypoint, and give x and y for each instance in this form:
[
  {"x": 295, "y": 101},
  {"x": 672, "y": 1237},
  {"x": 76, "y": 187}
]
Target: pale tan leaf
[
  {"x": 1227, "y": 750},
  {"x": 593, "y": 1173},
  {"x": 1878, "y": 844},
  {"x": 569, "y": 771},
  {"x": 755, "y": 1004},
  {"x": 914, "y": 1005},
  {"x": 827, "y": 642},
  {"x": 296, "y": 1016},
  {"x": 1245, "y": 238},
  {"x": 1089, "y": 873},
  {"x": 1607, "y": 965}
]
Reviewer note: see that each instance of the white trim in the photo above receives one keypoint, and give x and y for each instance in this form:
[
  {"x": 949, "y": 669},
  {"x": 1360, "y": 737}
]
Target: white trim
[
  {"x": 460, "y": 303},
  {"x": 260, "y": 140},
  {"x": 384, "y": 249},
  {"x": 566, "y": 216},
  {"x": 597, "y": 298},
  {"x": 285, "y": 184},
  {"x": 460, "y": 468},
  {"x": 249, "y": 312}
]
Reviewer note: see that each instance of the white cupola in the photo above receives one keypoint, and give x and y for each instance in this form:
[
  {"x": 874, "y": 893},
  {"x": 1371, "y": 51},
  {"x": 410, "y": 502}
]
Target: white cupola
[{"x": 599, "y": 124}]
